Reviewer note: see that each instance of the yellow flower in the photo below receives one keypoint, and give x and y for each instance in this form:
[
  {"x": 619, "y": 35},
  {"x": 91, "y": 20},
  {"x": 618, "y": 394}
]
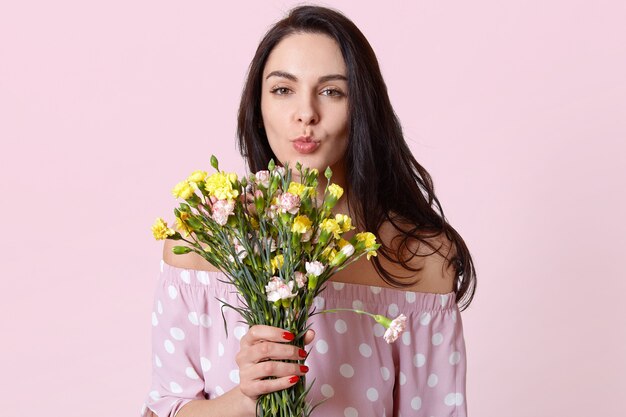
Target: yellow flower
[
  {"x": 367, "y": 238},
  {"x": 301, "y": 224},
  {"x": 220, "y": 185},
  {"x": 181, "y": 224},
  {"x": 184, "y": 189},
  {"x": 331, "y": 226},
  {"x": 197, "y": 176},
  {"x": 370, "y": 254},
  {"x": 329, "y": 254},
  {"x": 300, "y": 190},
  {"x": 160, "y": 230},
  {"x": 344, "y": 221},
  {"x": 277, "y": 262},
  {"x": 342, "y": 242},
  {"x": 335, "y": 190},
  {"x": 254, "y": 223}
]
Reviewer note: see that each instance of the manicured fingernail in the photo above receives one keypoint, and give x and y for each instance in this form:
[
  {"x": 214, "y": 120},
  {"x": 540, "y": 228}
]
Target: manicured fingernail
[
  {"x": 304, "y": 368},
  {"x": 294, "y": 379},
  {"x": 288, "y": 336},
  {"x": 302, "y": 353}
]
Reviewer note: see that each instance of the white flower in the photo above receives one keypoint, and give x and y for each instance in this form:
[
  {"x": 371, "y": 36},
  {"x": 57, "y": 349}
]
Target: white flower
[
  {"x": 279, "y": 171},
  {"x": 221, "y": 210},
  {"x": 314, "y": 268},
  {"x": 300, "y": 279},
  {"x": 277, "y": 289},
  {"x": 263, "y": 178},
  {"x": 396, "y": 327},
  {"x": 347, "y": 250}
]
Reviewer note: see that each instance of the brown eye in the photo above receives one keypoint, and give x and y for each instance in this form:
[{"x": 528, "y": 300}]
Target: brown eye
[
  {"x": 332, "y": 92},
  {"x": 280, "y": 91}
]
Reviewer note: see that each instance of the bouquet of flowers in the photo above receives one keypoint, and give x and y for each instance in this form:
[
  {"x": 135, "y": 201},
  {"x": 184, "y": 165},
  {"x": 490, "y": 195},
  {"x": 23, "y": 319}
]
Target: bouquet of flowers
[{"x": 277, "y": 244}]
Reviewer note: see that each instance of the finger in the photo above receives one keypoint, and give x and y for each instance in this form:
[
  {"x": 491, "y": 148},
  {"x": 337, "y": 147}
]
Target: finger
[
  {"x": 257, "y": 387},
  {"x": 261, "y": 332},
  {"x": 275, "y": 369},
  {"x": 308, "y": 336},
  {"x": 263, "y": 351}
]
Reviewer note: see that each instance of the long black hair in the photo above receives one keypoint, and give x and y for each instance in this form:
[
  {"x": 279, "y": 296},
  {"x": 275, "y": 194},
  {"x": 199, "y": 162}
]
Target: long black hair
[{"x": 384, "y": 181}]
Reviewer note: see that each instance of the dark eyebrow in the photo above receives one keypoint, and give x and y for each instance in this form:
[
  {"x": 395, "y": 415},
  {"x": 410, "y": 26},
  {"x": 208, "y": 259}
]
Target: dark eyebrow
[{"x": 293, "y": 78}]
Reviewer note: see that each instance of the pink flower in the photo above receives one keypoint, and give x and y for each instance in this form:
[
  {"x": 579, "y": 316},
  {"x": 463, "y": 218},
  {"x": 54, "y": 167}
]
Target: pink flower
[
  {"x": 240, "y": 249},
  {"x": 396, "y": 327},
  {"x": 300, "y": 279},
  {"x": 289, "y": 203},
  {"x": 221, "y": 210},
  {"x": 263, "y": 178},
  {"x": 306, "y": 236},
  {"x": 277, "y": 289}
]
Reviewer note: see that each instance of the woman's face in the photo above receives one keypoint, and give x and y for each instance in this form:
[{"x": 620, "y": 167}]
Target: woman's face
[{"x": 304, "y": 101}]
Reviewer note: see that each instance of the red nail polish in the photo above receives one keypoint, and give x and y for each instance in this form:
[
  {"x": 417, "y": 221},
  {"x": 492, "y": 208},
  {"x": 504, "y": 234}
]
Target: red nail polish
[
  {"x": 302, "y": 353},
  {"x": 304, "y": 368},
  {"x": 294, "y": 379},
  {"x": 288, "y": 336}
]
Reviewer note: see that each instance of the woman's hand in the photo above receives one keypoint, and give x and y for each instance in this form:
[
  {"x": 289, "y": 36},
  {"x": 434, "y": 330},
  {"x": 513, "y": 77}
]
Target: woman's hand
[{"x": 261, "y": 350}]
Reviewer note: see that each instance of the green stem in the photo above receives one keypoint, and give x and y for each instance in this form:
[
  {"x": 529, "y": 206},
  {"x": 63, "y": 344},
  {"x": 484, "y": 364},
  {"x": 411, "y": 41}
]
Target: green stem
[{"x": 385, "y": 321}]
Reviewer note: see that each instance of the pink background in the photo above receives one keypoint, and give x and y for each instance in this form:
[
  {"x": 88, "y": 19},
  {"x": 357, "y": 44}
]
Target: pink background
[{"x": 517, "y": 109}]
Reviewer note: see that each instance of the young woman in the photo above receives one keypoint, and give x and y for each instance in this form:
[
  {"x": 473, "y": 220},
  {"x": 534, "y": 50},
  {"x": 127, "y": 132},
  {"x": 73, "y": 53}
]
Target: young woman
[{"x": 315, "y": 94}]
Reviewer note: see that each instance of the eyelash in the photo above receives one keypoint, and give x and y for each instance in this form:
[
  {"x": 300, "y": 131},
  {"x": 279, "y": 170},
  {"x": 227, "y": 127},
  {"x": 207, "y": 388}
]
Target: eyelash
[{"x": 334, "y": 92}]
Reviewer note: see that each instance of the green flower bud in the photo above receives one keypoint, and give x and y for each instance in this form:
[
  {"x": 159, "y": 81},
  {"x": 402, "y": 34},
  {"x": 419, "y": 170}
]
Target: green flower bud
[
  {"x": 214, "y": 163},
  {"x": 181, "y": 250}
]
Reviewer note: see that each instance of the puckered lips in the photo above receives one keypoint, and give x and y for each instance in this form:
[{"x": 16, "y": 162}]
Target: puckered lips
[{"x": 305, "y": 144}]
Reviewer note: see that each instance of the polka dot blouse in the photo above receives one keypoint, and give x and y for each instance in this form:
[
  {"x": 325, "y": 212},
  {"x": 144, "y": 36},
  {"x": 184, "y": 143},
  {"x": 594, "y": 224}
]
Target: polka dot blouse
[{"x": 421, "y": 374}]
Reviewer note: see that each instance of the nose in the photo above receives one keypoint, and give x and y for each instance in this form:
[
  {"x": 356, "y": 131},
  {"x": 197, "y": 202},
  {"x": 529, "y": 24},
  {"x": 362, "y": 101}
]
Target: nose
[{"x": 307, "y": 112}]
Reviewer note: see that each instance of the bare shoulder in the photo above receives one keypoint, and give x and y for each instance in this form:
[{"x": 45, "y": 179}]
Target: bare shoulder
[
  {"x": 433, "y": 272},
  {"x": 188, "y": 261}
]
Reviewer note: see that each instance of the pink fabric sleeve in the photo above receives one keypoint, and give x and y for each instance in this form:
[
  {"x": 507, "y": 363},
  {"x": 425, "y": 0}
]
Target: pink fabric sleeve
[
  {"x": 176, "y": 363},
  {"x": 432, "y": 364}
]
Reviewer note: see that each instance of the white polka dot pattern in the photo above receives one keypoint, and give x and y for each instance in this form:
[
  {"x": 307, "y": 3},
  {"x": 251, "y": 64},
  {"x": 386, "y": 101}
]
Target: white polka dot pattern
[
  {"x": 340, "y": 326},
  {"x": 202, "y": 277},
  {"x": 393, "y": 310},
  {"x": 372, "y": 394},
  {"x": 175, "y": 388},
  {"x": 351, "y": 412},
  {"x": 205, "y": 364},
  {"x": 321, "y": 346},
  {"x": 432, "y": 380},
  {"x": 327, "y": 391},
  {"x": 193, "y": 318},
  {"x": 353, "y": 367},
  {"x": 416, "y": 403},
  {"x": 177, "y": 333},
  {"x": 172, "y": 292},
  {"x": 365, "y": 350},
  {"x": 419, "y": 360},
  {"x": 191, "y": 373},
  {"x": 454, "y": 398},
  {"x": 338, "y": 285},
  {"x": 437, "y": 339},
  {"x": 346, "y": 370}
]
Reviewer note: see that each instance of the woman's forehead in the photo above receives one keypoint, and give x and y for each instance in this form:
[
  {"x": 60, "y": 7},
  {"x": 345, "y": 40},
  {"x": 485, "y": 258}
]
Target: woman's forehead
[{"x": 306, "y": 55}]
